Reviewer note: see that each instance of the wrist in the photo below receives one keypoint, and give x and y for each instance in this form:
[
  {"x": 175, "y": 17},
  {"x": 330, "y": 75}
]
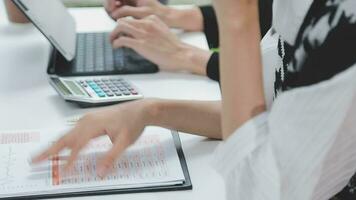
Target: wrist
[
  {"x": 150, "y": 111},
  {"x": 194, "y": 60},
  {"x": 169, "y": 16},
  {"x": 186, "y": 19}
]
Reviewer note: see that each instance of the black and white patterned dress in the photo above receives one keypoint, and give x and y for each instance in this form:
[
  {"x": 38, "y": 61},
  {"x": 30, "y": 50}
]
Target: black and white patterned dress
[{"x": 325, "y": 46}]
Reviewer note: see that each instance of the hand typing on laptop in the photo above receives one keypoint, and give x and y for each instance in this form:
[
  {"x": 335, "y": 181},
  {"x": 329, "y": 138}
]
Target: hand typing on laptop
[{"x": 150, "y": 36}]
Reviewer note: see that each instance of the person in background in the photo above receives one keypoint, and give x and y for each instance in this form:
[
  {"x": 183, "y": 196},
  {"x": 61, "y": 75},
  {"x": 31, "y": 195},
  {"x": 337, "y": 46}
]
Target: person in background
[
  {"x": 152, "y": 38},
  {"x": 172, "y": 54}
]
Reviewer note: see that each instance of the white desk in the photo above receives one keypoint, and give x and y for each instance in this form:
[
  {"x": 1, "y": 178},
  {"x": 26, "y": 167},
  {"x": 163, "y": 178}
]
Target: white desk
[{"x": 28, "y": 102}]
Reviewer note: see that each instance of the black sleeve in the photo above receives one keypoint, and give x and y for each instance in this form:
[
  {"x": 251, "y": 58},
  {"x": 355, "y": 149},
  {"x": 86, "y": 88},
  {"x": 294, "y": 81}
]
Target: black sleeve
[
  {"x": 265, "y": 12},
  {"x": 212, "y": 32},
  {"x": 212, "y": 69}
]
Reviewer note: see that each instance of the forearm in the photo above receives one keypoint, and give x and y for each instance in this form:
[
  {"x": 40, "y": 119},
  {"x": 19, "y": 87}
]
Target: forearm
[
  {"x": 186, "y": 19},
  {"x": 196, "y": 117},
  {"x": 241, "y": 68}
]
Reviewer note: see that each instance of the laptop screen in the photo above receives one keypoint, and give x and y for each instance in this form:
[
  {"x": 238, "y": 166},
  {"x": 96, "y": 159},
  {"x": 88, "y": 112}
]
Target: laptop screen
[{"x": 54, "y": 21}]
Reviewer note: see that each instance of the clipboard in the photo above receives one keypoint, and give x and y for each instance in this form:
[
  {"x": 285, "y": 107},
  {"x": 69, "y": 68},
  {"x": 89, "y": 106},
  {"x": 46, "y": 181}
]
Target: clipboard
[{"x": 186, "y": 185}]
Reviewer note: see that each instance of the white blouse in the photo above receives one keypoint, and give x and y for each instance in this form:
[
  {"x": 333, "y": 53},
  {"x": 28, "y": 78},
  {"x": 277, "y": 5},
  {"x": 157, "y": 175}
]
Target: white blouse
[{"x": 303, "y": 147}]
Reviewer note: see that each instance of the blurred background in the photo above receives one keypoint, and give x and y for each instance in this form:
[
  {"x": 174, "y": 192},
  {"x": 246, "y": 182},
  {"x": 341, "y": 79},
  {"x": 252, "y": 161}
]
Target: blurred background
[{"x": 80, "y": 3}]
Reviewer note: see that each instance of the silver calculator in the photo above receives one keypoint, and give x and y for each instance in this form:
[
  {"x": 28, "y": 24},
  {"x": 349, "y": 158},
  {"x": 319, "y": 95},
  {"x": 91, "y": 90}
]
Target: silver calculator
[{"x": 95, "y": 91}]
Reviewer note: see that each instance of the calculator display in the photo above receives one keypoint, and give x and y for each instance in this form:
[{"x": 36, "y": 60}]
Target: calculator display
[
  {"x": 74, "y": 88},
  {"x": 63, "y": 89}
]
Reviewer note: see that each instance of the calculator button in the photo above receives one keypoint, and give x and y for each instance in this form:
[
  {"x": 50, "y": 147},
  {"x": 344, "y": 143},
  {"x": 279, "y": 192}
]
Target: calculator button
[
  {"x": 118, "y": 93},
  {"x": 93, "y": 85},
  {"x": 110, "y": 94},
  {"x": 97, "y": 90},
  {"x": 126, "y": 93},
  {"x": 101, "y": 95}
]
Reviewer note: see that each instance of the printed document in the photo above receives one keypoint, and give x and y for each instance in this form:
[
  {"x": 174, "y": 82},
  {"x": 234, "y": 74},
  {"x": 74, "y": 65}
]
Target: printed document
[{"x": 152, "y": 161}]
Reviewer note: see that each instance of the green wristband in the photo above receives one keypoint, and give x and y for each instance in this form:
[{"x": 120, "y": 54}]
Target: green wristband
[{"x": 215, "y": 50}]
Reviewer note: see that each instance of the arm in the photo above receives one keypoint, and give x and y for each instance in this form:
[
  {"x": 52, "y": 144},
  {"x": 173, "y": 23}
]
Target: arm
[
  {"x": 202, "y": 118},
  {"x": 187, "y": 19},
  {"x": 198, "y": 117},
  {"x": 241, "y": 68},
  {"x": 153, "y": 39}
]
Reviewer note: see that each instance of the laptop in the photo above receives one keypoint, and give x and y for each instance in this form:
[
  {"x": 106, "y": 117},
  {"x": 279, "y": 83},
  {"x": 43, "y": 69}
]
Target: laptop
[{"x": 79, "y": 54}]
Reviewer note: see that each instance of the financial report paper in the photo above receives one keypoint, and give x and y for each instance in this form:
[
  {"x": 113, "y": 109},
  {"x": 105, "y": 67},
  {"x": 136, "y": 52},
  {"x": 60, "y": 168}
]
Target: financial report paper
[{"x": 152, "y": 161}]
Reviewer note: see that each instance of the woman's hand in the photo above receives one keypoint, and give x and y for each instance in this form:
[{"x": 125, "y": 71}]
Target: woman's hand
[
  {"x": 152, "y": 38},
  {"x": 123, "y": 124}
]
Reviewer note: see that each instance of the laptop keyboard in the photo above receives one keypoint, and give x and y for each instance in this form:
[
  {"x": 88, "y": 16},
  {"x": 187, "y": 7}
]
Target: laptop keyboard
[{"x": 95, "y": 54}]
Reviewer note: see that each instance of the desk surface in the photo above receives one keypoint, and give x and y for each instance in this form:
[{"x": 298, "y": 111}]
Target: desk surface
[{"x": 28, "y": 102}]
